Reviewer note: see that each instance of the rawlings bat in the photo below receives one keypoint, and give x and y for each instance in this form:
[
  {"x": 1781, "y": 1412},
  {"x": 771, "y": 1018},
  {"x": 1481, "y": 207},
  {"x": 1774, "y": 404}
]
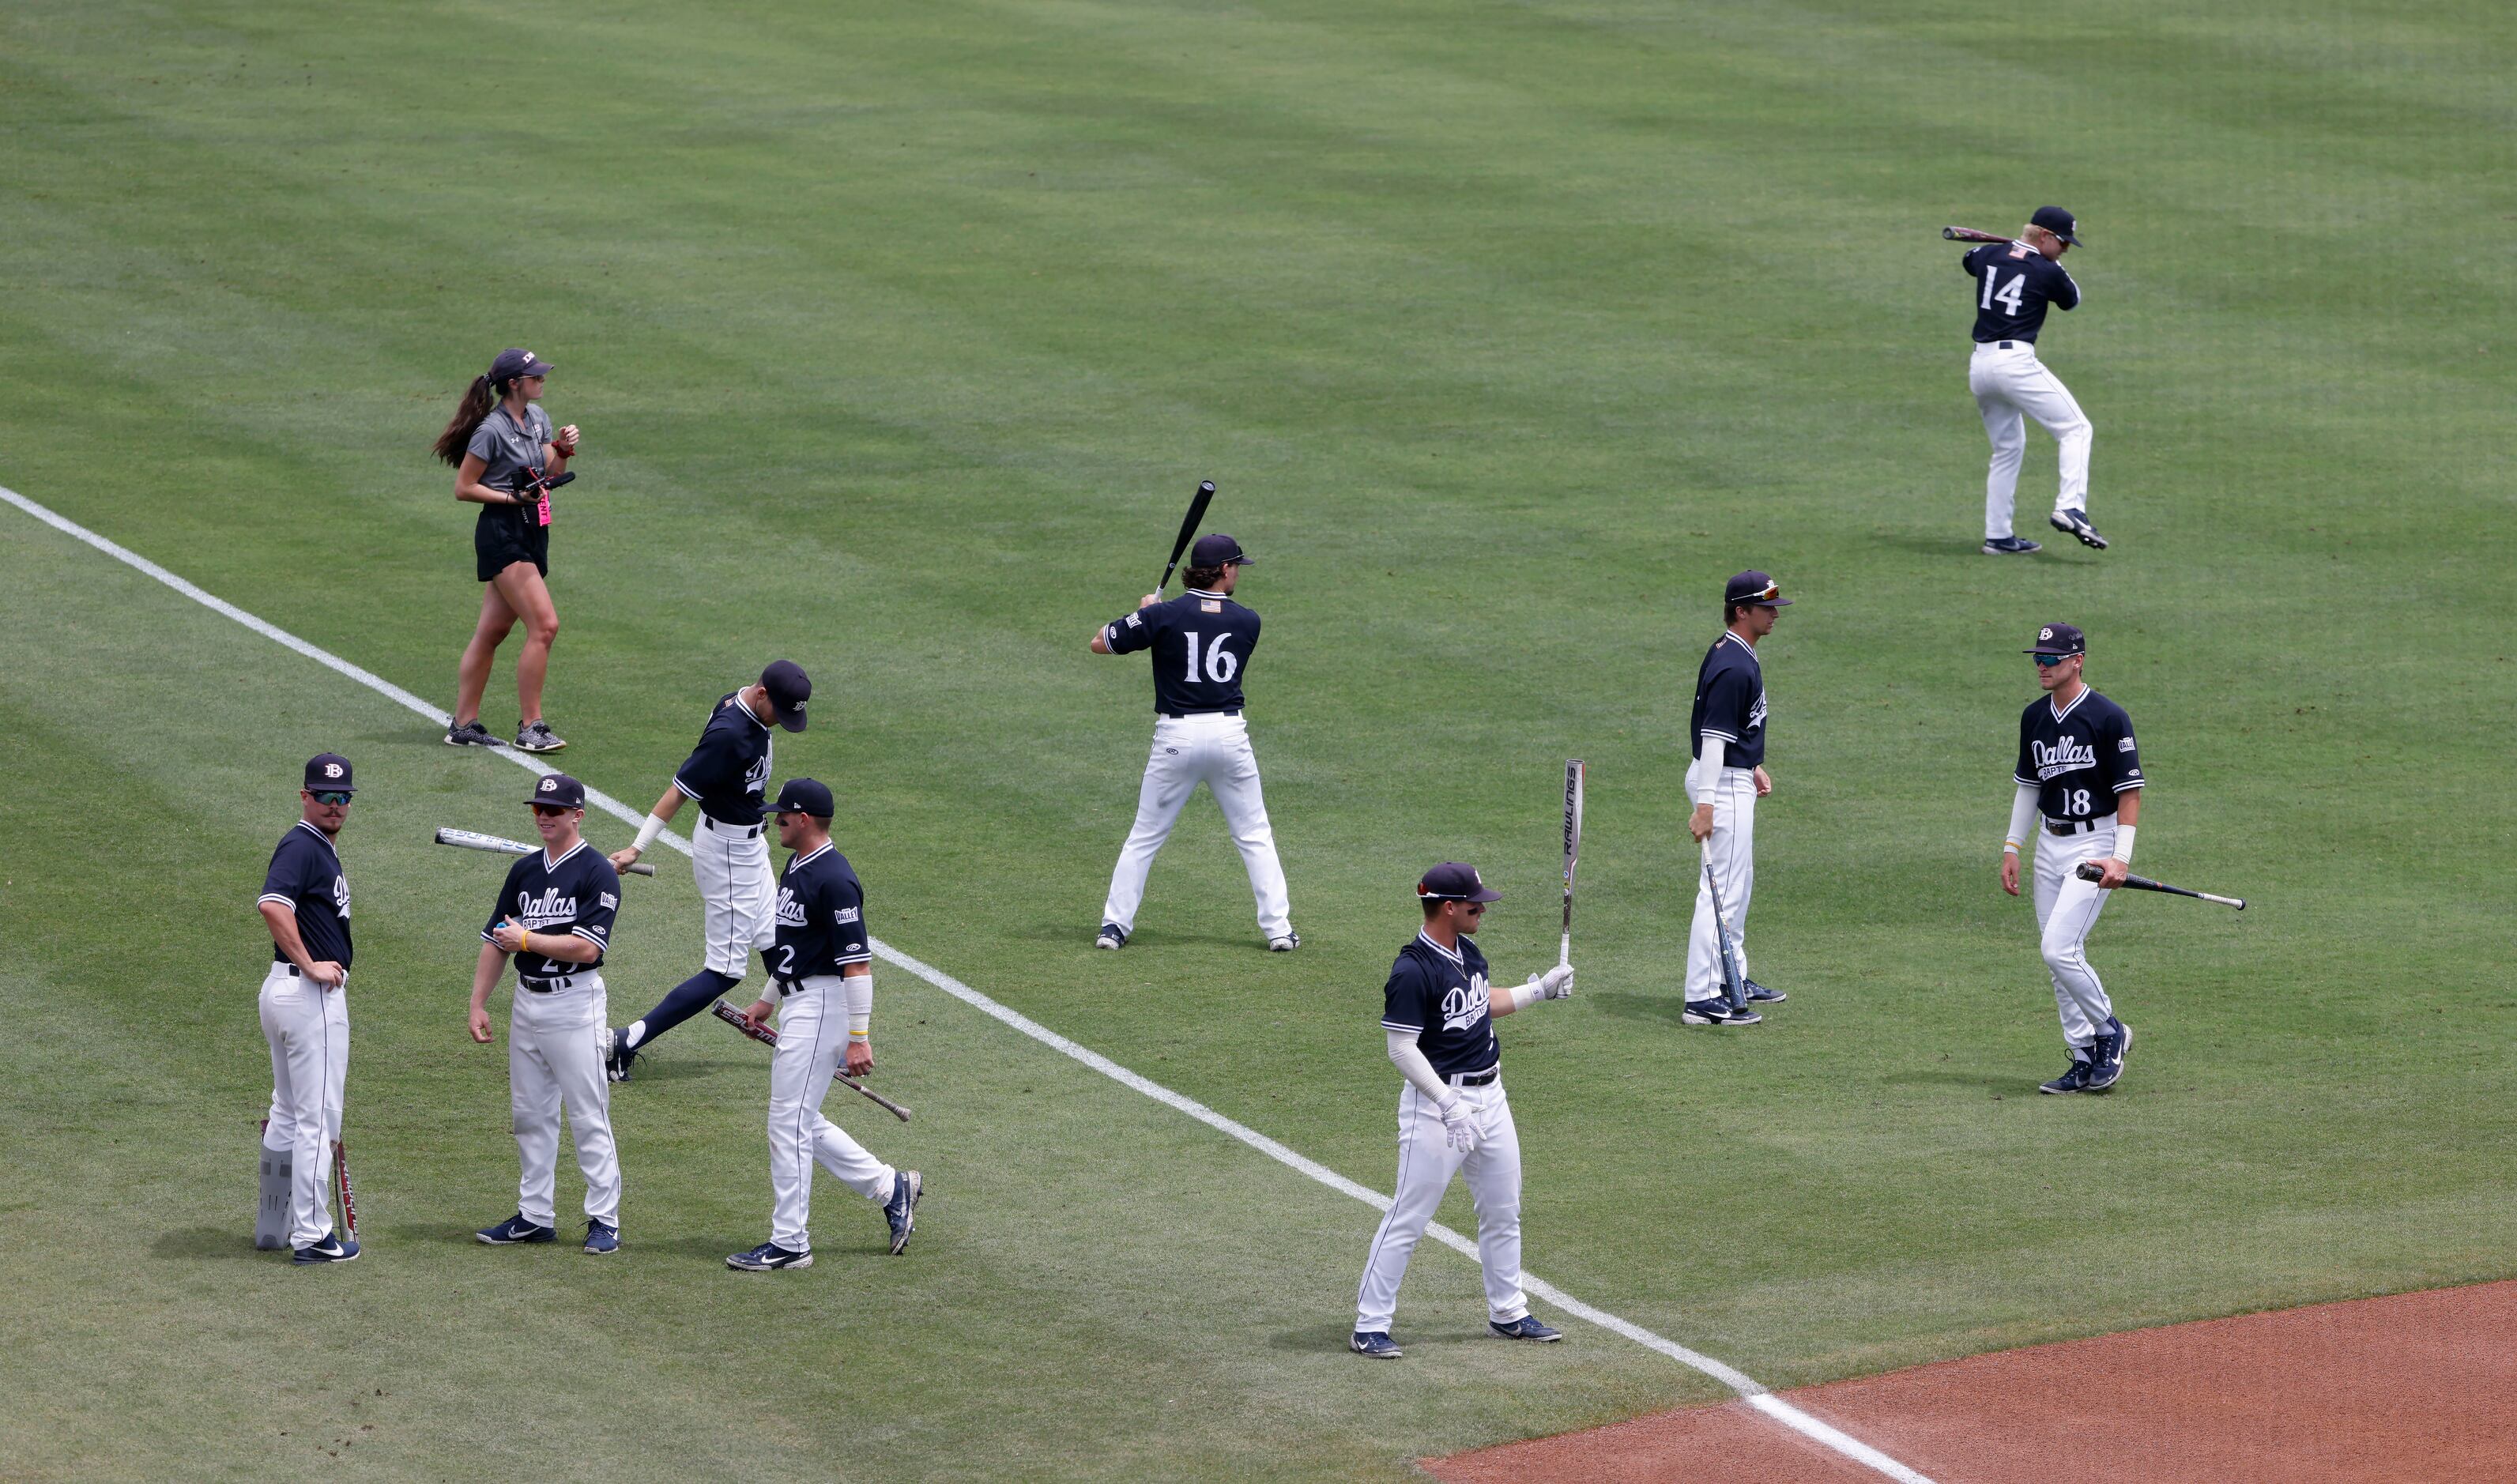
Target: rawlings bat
[
  {"x": 1734, "y": 985},
  {"x": 768, "y": 1037},
  {"x": 2091, "y": 871},
  {"x": 1573, "y": 774},
  {"x": 1187, "y": 532},
  {"x": 498, "y": 845},
  {"x": 1970, "y": 235}
]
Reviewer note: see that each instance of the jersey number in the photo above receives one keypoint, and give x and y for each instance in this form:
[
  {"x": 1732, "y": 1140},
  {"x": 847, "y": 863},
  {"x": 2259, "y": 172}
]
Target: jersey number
[
  {"x": 1221, "y": 665},
  {"x": 787, "y": 953},
  {"x": 2075, "y": 802},
  {"x": 2008, "y": 297}
]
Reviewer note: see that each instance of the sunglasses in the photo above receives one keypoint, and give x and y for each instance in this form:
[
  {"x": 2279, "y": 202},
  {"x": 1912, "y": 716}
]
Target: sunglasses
[
  {"x": 1475, "y": 908},
  {"x": 333, "y": 796},
  {"x": 2048, "y": 662},
  {"x": 553, "y": 811}
]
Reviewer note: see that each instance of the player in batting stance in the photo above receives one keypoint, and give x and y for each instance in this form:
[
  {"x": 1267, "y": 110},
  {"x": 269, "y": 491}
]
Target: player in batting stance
[
  {"x": 2080, "y": 789},
  {"x": 553, "y": 918},
  {"x": 1727, "y": 728},
  {"x": 1439, "y": 1013},
  {"x": 305, "y": 1003},
  {"x": 1201, "y": 641},
  {"x": 2016, "y": 282},
  {"x": 728, "y": 856},
  {"x": 821, "y": 985}
]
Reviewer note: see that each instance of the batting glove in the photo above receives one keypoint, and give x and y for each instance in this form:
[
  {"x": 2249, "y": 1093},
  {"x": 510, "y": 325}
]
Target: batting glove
[
  {"x": 1458, "y": 1129},
  {"x": 1556, "y": 983}
]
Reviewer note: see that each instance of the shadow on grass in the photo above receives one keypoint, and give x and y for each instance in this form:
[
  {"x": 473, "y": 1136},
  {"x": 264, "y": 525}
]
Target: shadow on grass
[
  {"x": 1959, "y": 547},
  {"x": 2000, "y": 1083},
  {"x": 1332, "y": 1338},
  {"x": 1668, "y": 1008},
  {"x": 210, "y": 1242}
]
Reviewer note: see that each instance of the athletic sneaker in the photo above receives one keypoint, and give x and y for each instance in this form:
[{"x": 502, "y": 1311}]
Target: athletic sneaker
[
  {"x": 601, "y": 1236},
  {"x": 1285, "y": 945},
  {"x": 515, "y": 1229},
  {"x": 768, "y": 1258},
  {"x": 538, "y": 737},
  {"x": 2009, "y": 546},
  {"x": 2106, "y": 1069},
  {"x": 901, "y": 1211},
  {"x": 1758, "y": 993},
  {"x": 1526, "y": 1327},
  {"x": 2076, "y": 1079},
  {"x": 1374, "y": 1345},
  {"x": 617, "y": 1058},
  {"x": 470, "y": 733},
  {"x": 334, "y": 1248},
  {"x": 2077, "y": 522},
  {"x": 1718, "y": 1012},
  {"x": 1113, "y": 936}
]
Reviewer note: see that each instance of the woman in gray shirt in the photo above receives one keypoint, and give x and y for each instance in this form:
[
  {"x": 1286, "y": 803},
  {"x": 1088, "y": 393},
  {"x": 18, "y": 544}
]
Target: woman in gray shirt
[{"x": 496, "y": 442}]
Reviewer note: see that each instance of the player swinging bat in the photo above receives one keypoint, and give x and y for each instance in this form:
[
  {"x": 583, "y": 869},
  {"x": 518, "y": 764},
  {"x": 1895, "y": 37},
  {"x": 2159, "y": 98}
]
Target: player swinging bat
[
  {"x": 1970, "y": 235},
  {"x": 2091, "y": 871}
]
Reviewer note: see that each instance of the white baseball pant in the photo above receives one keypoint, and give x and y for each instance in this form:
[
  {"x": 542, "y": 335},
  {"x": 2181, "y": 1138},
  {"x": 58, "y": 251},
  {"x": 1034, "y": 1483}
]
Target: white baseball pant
[
  {"x": 738, "y": 893},
  {"x": 555, "y": 1049},
  {"x": 1734, "y": 853},
  {"x": 1426, "y": 1163},
  {"x": 2008, "y": 384},
  {"x": 2067, "y": 908},
  {"x": 812, "y": 1037},
  {"x": 309, "y": 1029},
  {"x": 1213, "y": 749}
]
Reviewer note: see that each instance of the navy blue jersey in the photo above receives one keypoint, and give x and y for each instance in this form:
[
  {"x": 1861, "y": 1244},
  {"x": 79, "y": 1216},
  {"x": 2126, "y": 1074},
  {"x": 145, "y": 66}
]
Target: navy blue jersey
[
  {"x": 1201, "y": 642},
  {"x": 728, "y": 768},
  {"x": 578, "y": 894},
  {"x": 821, "y": 916},
  {"x": 2077, "y": 757},
  {"x": 1729, "y": 703},
  {"x": 1441, "y": 996},
  {"x": 306, "y": 877},
  {"x": 2014, "y": 282}
]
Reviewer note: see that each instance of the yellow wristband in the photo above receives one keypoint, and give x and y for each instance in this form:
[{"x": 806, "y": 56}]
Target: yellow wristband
[
  {"x": 2010, "y": 847},
  {"x": 860, "y": 1036},
  {"x": 524, "y": 941}
]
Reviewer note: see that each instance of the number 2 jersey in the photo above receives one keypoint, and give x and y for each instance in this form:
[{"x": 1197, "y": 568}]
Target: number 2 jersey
[
  {"x": 821, "y": 916},
  {"x": 2014, "y": 282},
  {"x": 1202, "y": 644},
  {"x": 2077, "y": 757}
]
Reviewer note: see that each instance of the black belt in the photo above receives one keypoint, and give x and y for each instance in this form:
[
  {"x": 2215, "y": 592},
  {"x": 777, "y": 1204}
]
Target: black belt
[
  {"x": 548, "y": 986},
  {"x": 1478, "y": 1079},
  {"x": 786, "y": 987},
  {"x": 739, "y": 831},
  {"x": 2075, "y": 827},
  {"x": 1185, "y": 716}
]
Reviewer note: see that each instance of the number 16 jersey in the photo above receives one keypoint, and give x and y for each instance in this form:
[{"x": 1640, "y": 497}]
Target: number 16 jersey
[
  {"x": 1202, "y": 644},
  {"x": 2077, "y": 757}
]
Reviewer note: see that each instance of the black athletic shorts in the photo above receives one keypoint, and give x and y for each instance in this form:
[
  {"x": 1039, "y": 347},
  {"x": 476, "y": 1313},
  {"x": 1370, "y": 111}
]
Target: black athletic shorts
[{"x": 506, "y": 534}]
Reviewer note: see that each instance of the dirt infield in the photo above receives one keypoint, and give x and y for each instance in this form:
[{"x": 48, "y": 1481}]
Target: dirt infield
[{"x": 2419, "y": 1386}]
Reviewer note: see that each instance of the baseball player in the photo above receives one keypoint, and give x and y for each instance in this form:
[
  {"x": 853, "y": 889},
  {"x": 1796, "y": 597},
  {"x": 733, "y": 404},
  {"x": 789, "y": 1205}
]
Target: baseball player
[
  {"x": 2016, "y": 282},
  {"x": 821, "y": 972},
  {"x": 728, "y": 856},
  {"x": 1453, "y": 1119},
  {"x": 1728, "y": 733},
  {"x": 2079, "y": 788},
  {"x": 305, "y": 1004},
  {"x": 1201, "y": 641},
  {"x": 554, "y": 918}
]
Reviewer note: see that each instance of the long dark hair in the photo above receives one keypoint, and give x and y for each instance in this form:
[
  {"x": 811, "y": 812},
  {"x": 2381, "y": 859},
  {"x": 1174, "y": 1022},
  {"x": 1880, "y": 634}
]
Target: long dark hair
[{"x": 478, "y": 398}]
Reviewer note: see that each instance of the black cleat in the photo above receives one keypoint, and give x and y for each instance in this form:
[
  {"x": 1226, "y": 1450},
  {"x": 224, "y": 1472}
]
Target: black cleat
[
  {"x": 1718, "y": 1012},
  {"x": 617, "y": 1058},
  {"x": 1112, "y": 937},
  {"x": 1526, "y": 1327},
  {"x": 2106, "y": 1067},
  {"x": 2076, "y": 1079},
  {"x": 2009, "y": 546},
  {"x": 899, "y": 1212},
  {"x": 2076, "y": 523},
  {"x": 1758, "y": 993}
]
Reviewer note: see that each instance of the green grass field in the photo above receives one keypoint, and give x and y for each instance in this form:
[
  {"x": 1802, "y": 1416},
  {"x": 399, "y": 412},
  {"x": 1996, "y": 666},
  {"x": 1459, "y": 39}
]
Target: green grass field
[{"x": 899, "y": 335}]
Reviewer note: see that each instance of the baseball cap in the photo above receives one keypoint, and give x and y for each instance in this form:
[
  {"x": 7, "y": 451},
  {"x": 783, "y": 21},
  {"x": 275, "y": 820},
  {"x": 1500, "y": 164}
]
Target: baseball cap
[
  {"x": 2059, "y": 223},
  {"x": 1452, "y": 881},
  {"x": 328, "y": 772},
  {"x": 1756, "y": 590},
  {"x": 512, "y": 363},
  {"x": 804, "y": 795},
  {"x": 2058, "y": 639},
  {"x": 560, "y": 790},
  {"x": 788, "y": 687},
  {"x": 1217, "y": 550}
]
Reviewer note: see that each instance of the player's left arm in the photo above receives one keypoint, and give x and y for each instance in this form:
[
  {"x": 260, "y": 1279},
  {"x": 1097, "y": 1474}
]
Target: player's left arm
[
  {"x": 1124, "y": 636},
  {"x": 844, "y": 900},
  {"x": 1556, "y": 983},
  {"x": 2120, "y": 756},
  {"x": 2065, "y": 291},
  {"x": 667, "y": 806}
]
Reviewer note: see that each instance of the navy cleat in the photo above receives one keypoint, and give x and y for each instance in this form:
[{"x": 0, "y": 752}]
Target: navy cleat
[
  {"x": 2106, "y": 1069},
  {"x": 617, "y": 1057},
  {"x": 2009, "y": 546},
  {"x": 768, "y": 1258},
  {"x": 901, "y": 1211},
  {"x": 2076, "y": 1079},
  {"x": 516, "y": 1229},
  {"x": 601, "y": 1236},
  {"x": 2076, "y": 523},
  {"x": 332, "y": 1248},
  {"x": 1373, "y": 1345},
  {"x": 1285, "y": 945},
  {"x": 1113, "y": 936},
  {"x": 1758, "y": 993},
  {"x": 1526, "y": 1327},
  {"x": 1718, "y": 1012}
]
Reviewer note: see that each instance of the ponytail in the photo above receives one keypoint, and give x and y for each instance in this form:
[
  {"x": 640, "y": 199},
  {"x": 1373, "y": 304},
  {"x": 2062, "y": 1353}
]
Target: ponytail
[{"x": 478, "y": 398}]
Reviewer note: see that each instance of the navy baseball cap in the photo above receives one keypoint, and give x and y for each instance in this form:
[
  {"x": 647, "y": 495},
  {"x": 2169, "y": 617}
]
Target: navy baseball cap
[
  {"x": 2059, "y": 223},
  {"x": 1217, "y": 550},
  {"x": 804, "y": 795},
  {"x": 1452, "y": 881},
  {"x": 328, "y": 772},
  {"x": 512, "y": 363},
  {"x": 1756, "y": 590},
  {"x": 2058, "y": 639},
  {"x": 788, "y": 687},
  {"x": 560, "y": 789}
]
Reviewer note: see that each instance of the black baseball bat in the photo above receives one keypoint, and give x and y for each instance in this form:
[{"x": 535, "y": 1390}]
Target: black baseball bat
[
  {"x": 2091, "y": 871},
  {"x": 1187, "y": 532}
]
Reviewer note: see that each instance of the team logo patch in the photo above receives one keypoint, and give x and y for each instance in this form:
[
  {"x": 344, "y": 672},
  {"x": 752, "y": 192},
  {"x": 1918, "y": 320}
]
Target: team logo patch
[
  {"x": 2125, "y": 745},
  {"x": 332, "y": 770},
  {"x": 847, "y": 914},
  {"x": 1135, "y": 622},
  {"x": 609, "y": 902},
  {"x": 550, "y": 785},
  {"x": 853, "y": 947},
  {"x": 2043, "y": 634}
]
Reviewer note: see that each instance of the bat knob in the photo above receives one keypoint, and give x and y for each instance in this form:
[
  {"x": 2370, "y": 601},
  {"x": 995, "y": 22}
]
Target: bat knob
[
  {"x": 1948, "y": 234},
  {"x": 1205, "y": 486}
]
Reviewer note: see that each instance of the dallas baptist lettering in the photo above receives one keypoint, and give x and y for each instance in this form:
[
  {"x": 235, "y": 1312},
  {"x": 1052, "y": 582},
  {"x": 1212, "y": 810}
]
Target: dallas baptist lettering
[
  {"x": 1462, "y": 1008},
  {"x": 534, "y": 909},
  {"x": 2067, "y": 754}
]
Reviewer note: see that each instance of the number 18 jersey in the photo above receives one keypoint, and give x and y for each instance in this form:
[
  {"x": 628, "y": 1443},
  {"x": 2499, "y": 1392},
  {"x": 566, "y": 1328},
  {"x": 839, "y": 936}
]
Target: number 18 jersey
[
  {"x": 1202, "y": 644},
  {"x": 2077, "y": 757}
]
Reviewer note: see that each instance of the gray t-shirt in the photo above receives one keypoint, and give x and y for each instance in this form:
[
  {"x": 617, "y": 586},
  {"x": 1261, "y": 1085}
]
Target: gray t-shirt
[{"x": 505, "y": 450}]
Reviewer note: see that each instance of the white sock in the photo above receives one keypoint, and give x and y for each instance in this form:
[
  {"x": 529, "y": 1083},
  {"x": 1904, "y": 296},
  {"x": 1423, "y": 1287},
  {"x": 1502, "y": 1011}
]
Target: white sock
[{"x": 630, "y": 1037}]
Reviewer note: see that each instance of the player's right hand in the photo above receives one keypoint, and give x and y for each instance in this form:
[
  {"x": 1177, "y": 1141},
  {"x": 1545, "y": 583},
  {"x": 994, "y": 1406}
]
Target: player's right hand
[
  {"x": 2010, "y": 872},
  {"x": 326, "y": 972},
  {"x": 1556, "y": 983},
  {"x": 758, "y": 1012},
  {"x": 1459, "y": 1129},
  {"x": 1149, "y": 600},
  {"x": 480, "y": 1024},
  {"x": 1700, "y": 822},
  {"x": 625, "y": 858}
]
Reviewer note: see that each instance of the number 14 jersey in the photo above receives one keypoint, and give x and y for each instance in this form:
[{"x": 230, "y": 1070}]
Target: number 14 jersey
[{"x": 2077, "y": 757}]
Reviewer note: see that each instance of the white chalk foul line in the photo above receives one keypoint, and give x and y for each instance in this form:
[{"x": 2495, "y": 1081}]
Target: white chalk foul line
[{"x": 1757, "y": 1396}]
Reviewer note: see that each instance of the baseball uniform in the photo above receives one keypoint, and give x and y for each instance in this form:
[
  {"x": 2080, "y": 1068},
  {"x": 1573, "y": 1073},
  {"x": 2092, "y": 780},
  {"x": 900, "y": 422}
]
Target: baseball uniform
[
  {"x": 2080, "y": 758},
  {"x": 2015, "y": 286},
  {"x": 305, "y": 1025},
  {"x": 557, "y": 1033},
  {"x": 1727, "y": 740}
]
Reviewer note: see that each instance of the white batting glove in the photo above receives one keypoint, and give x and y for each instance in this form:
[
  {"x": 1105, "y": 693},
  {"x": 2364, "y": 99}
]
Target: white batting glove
[
  {"x": 1458, "y": 1127},
  {"x": 1556, "y": 983}
]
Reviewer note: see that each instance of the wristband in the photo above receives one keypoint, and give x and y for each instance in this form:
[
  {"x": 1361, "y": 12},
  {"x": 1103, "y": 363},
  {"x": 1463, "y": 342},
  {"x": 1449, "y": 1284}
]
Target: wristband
[
  {"x": 2010, "y": 847},
  {"x": 524, "y": 941},
  {"x": 856, "y": 1035},
  {"x": 648, "y": 828},
  {"x": 2123, "y": 843}
]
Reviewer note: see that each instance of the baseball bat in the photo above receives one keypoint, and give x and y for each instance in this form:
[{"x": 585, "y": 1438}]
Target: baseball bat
[
  {"x": 341, "y": 1178},
  {"x": 2091, "y": 871},
  {"x": 1734, "y": 985},
  {"x": 1573, "y": 775},
  {"x": 1970, "y": 235},
  {"x": 768, "y": 1037},
  {"x": 498, "y": 845},
  {"x": 1187, "y": 532}
]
